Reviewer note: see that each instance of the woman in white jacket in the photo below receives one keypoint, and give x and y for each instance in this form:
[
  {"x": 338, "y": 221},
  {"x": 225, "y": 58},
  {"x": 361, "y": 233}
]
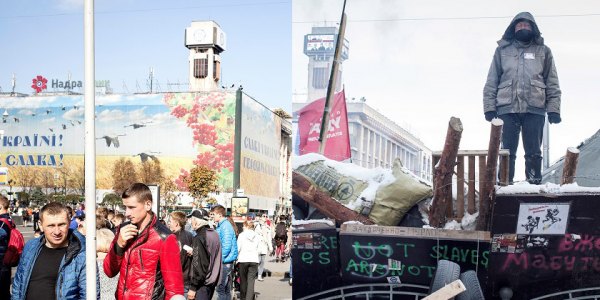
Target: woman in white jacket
[
  {"x": 248, "y": 242},
  {"x": 266, "y": 244}
]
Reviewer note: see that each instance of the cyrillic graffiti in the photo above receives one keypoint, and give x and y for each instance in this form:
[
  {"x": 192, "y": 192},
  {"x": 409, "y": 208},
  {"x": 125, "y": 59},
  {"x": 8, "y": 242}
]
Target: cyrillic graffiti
[
  {"x": 573, "y": 255},
  {"x": 374, "y": 261},
  {"x": 321, "y": 250}
]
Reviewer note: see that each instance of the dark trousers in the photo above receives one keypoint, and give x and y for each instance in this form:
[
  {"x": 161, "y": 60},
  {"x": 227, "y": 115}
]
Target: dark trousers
[
  {"x": 5, "y": 274},
  {"x": 248, "y": 273},
  {"x": 205, "y": 292},
  {"x": 532, "y": 128}
]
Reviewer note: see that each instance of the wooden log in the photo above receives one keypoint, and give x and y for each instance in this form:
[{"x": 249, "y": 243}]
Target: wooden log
[
  {"x": 570, "y": 166},
  {"x": 504, "y": 169},
  {"x": 331, "y": 208},
  {"x": 471, "y": 185},
  {"x": 434, "y": 160},
  {"x": 486, "y": 197},
  {"x": 442, "y": 194},
  {"x": 460, "y": 186},
  {"x": 482, "y": 160}
]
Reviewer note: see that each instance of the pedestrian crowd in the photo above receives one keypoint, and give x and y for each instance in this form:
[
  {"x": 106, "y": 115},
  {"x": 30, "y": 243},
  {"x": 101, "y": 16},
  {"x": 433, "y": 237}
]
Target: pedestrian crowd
[{"x": 189, "y": 256}]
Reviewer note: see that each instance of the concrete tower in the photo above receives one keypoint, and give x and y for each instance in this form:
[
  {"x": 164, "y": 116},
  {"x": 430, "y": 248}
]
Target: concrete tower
[
  {"x": 206, "y": 40},
  {"x": 319, "y": 46}
]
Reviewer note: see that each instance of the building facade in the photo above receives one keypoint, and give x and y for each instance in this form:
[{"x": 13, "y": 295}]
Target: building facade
[{"x": 375, "y": 140}]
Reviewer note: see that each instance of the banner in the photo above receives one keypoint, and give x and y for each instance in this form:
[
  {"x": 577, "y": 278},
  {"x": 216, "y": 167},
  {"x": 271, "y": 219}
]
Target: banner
[
  {"x": 309, "y": 126},
  {"x": 260, "y": 154}
]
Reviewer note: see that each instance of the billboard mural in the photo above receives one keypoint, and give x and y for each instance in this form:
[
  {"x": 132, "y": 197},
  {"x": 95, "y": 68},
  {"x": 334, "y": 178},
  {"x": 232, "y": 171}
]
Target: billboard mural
[
  {"x": 178, "y": 129},
  {"x": 260, "y": 154}
]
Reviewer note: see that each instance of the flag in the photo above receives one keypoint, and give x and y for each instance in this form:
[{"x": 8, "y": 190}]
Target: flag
[{"x": 337, "y": 145}]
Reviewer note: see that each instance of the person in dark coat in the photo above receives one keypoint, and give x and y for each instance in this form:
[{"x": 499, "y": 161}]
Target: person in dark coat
[
  {"x": 207, "y": 262},
  {"x": 521, "y": 88},
  {"x": 176, "y": 223}
]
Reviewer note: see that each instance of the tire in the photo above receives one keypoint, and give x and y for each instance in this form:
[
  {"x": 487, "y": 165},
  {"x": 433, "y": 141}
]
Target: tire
[
  {"x": 445, "y": 273},
  {"x": 471, "y": 282}
]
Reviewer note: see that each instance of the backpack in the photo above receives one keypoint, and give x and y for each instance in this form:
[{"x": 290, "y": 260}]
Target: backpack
[
  {"x": 15, "y": 244},
  {"x": 280, "y": 230}
]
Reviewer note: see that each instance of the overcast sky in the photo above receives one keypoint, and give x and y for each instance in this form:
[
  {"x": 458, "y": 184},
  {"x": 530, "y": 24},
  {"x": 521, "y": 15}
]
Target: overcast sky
[
  {"x": 46, "y": 38},
  {"x": 422, "y": 62}
]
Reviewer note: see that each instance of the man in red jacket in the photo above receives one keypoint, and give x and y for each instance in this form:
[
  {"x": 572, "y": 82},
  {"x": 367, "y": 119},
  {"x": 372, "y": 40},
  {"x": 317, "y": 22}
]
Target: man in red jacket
[{"x": 144, "y": 252}]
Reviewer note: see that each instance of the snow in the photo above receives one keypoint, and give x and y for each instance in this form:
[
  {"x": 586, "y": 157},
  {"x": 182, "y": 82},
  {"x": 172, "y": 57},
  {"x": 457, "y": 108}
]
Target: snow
[
  {"x": 548, "y": 188},
  {"x": 453, "y": 225},
  {"x": 307, "y": 222},
  {"x": 355, "y": 222},
  {"x": 469, "y": 221}
]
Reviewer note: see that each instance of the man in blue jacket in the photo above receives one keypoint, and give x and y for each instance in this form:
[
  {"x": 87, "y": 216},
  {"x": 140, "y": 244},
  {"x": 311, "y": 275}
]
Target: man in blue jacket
[
  {"x": 53, "y": 265},
  {"x": 228, "y": 250},
  {"x": 5, "y": 229}
]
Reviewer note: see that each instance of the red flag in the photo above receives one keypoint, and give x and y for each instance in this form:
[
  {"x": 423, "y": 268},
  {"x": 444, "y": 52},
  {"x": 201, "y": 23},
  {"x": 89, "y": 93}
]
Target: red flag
[{"x": 309, "y": 125}]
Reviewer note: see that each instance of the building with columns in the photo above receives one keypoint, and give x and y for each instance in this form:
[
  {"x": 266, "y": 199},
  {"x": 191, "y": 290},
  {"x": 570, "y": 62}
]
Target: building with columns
[{"x": 375, "y": 140}]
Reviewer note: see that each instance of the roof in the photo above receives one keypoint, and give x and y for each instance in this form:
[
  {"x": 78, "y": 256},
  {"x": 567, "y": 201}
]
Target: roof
[{"x": 588, "y": 164}]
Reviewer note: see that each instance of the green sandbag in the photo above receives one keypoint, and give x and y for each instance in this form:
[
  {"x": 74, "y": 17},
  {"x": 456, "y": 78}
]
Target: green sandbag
[
  {"x": 392, "y": 201},
  {"x": 344, "y": 189}
]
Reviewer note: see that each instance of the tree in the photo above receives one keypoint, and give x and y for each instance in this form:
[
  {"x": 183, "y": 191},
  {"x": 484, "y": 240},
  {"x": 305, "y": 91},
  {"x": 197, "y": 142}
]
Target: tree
[
  {"x": 151, "y": 172},
  {"x": 201, "y": 182},
  {"x": 282, "y": 113},
  {"x": 76, "y": 179},
  {"x": 167, "y": 192},
  {"x": 46, "y": 179},
  {"x": 37, "y": 196},
  {"x": 123, "y": 175},
  {"x": 111, "y": 199},
  {"x": 24, "y": 176}
]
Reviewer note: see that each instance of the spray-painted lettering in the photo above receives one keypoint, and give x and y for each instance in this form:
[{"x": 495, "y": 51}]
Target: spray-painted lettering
[{"x": 460, "y": 255}]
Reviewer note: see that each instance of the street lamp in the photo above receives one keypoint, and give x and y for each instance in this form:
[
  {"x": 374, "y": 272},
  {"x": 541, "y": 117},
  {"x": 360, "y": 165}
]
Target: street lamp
[{"x": 10, "y": 193}]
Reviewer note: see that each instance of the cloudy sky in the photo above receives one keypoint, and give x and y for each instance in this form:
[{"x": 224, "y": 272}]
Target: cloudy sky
[
  {"x": 422, "y": 62},
  {"x": 46, "y": 38}
]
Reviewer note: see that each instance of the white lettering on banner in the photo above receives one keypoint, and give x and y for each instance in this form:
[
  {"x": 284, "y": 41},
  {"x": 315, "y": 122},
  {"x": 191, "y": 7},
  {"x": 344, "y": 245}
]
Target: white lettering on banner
[
  {"x": 329, "y": 135},
  {"x": 334, "y": 124}
]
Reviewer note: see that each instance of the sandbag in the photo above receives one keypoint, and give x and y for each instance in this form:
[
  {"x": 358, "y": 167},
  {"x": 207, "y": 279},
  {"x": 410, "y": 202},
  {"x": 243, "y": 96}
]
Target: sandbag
[
  {"x": 392, "y": 201},
  {"x": 344, "y": 189}
]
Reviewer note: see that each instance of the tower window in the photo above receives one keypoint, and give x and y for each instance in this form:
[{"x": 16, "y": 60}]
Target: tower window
[
  {"x": 200, "y": 68},
  {"x": 320, "y": 78},
  {"x": 217, "y": 70}
]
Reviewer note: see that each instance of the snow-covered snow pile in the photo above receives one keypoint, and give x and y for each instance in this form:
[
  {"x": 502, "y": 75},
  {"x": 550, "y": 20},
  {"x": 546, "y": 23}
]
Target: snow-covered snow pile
[
  {"x": 307, "y": 222},
  {"x": 548, "y": 188}
]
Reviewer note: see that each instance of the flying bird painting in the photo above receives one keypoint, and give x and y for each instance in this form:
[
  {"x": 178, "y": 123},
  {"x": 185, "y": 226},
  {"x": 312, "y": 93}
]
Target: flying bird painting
[
  {"x": 111, "y": 140},
  {"x": 144, "y": 156}
]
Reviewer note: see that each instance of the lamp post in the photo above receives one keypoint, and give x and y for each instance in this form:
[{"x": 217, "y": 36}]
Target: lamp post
[{"x": 10, "y": 193}]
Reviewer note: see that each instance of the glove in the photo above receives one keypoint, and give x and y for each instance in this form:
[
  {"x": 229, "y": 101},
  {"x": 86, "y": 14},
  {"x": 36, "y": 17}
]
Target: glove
[
  {"x": 554, "y": 118},
  {"x": 489, "y": 115}
]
